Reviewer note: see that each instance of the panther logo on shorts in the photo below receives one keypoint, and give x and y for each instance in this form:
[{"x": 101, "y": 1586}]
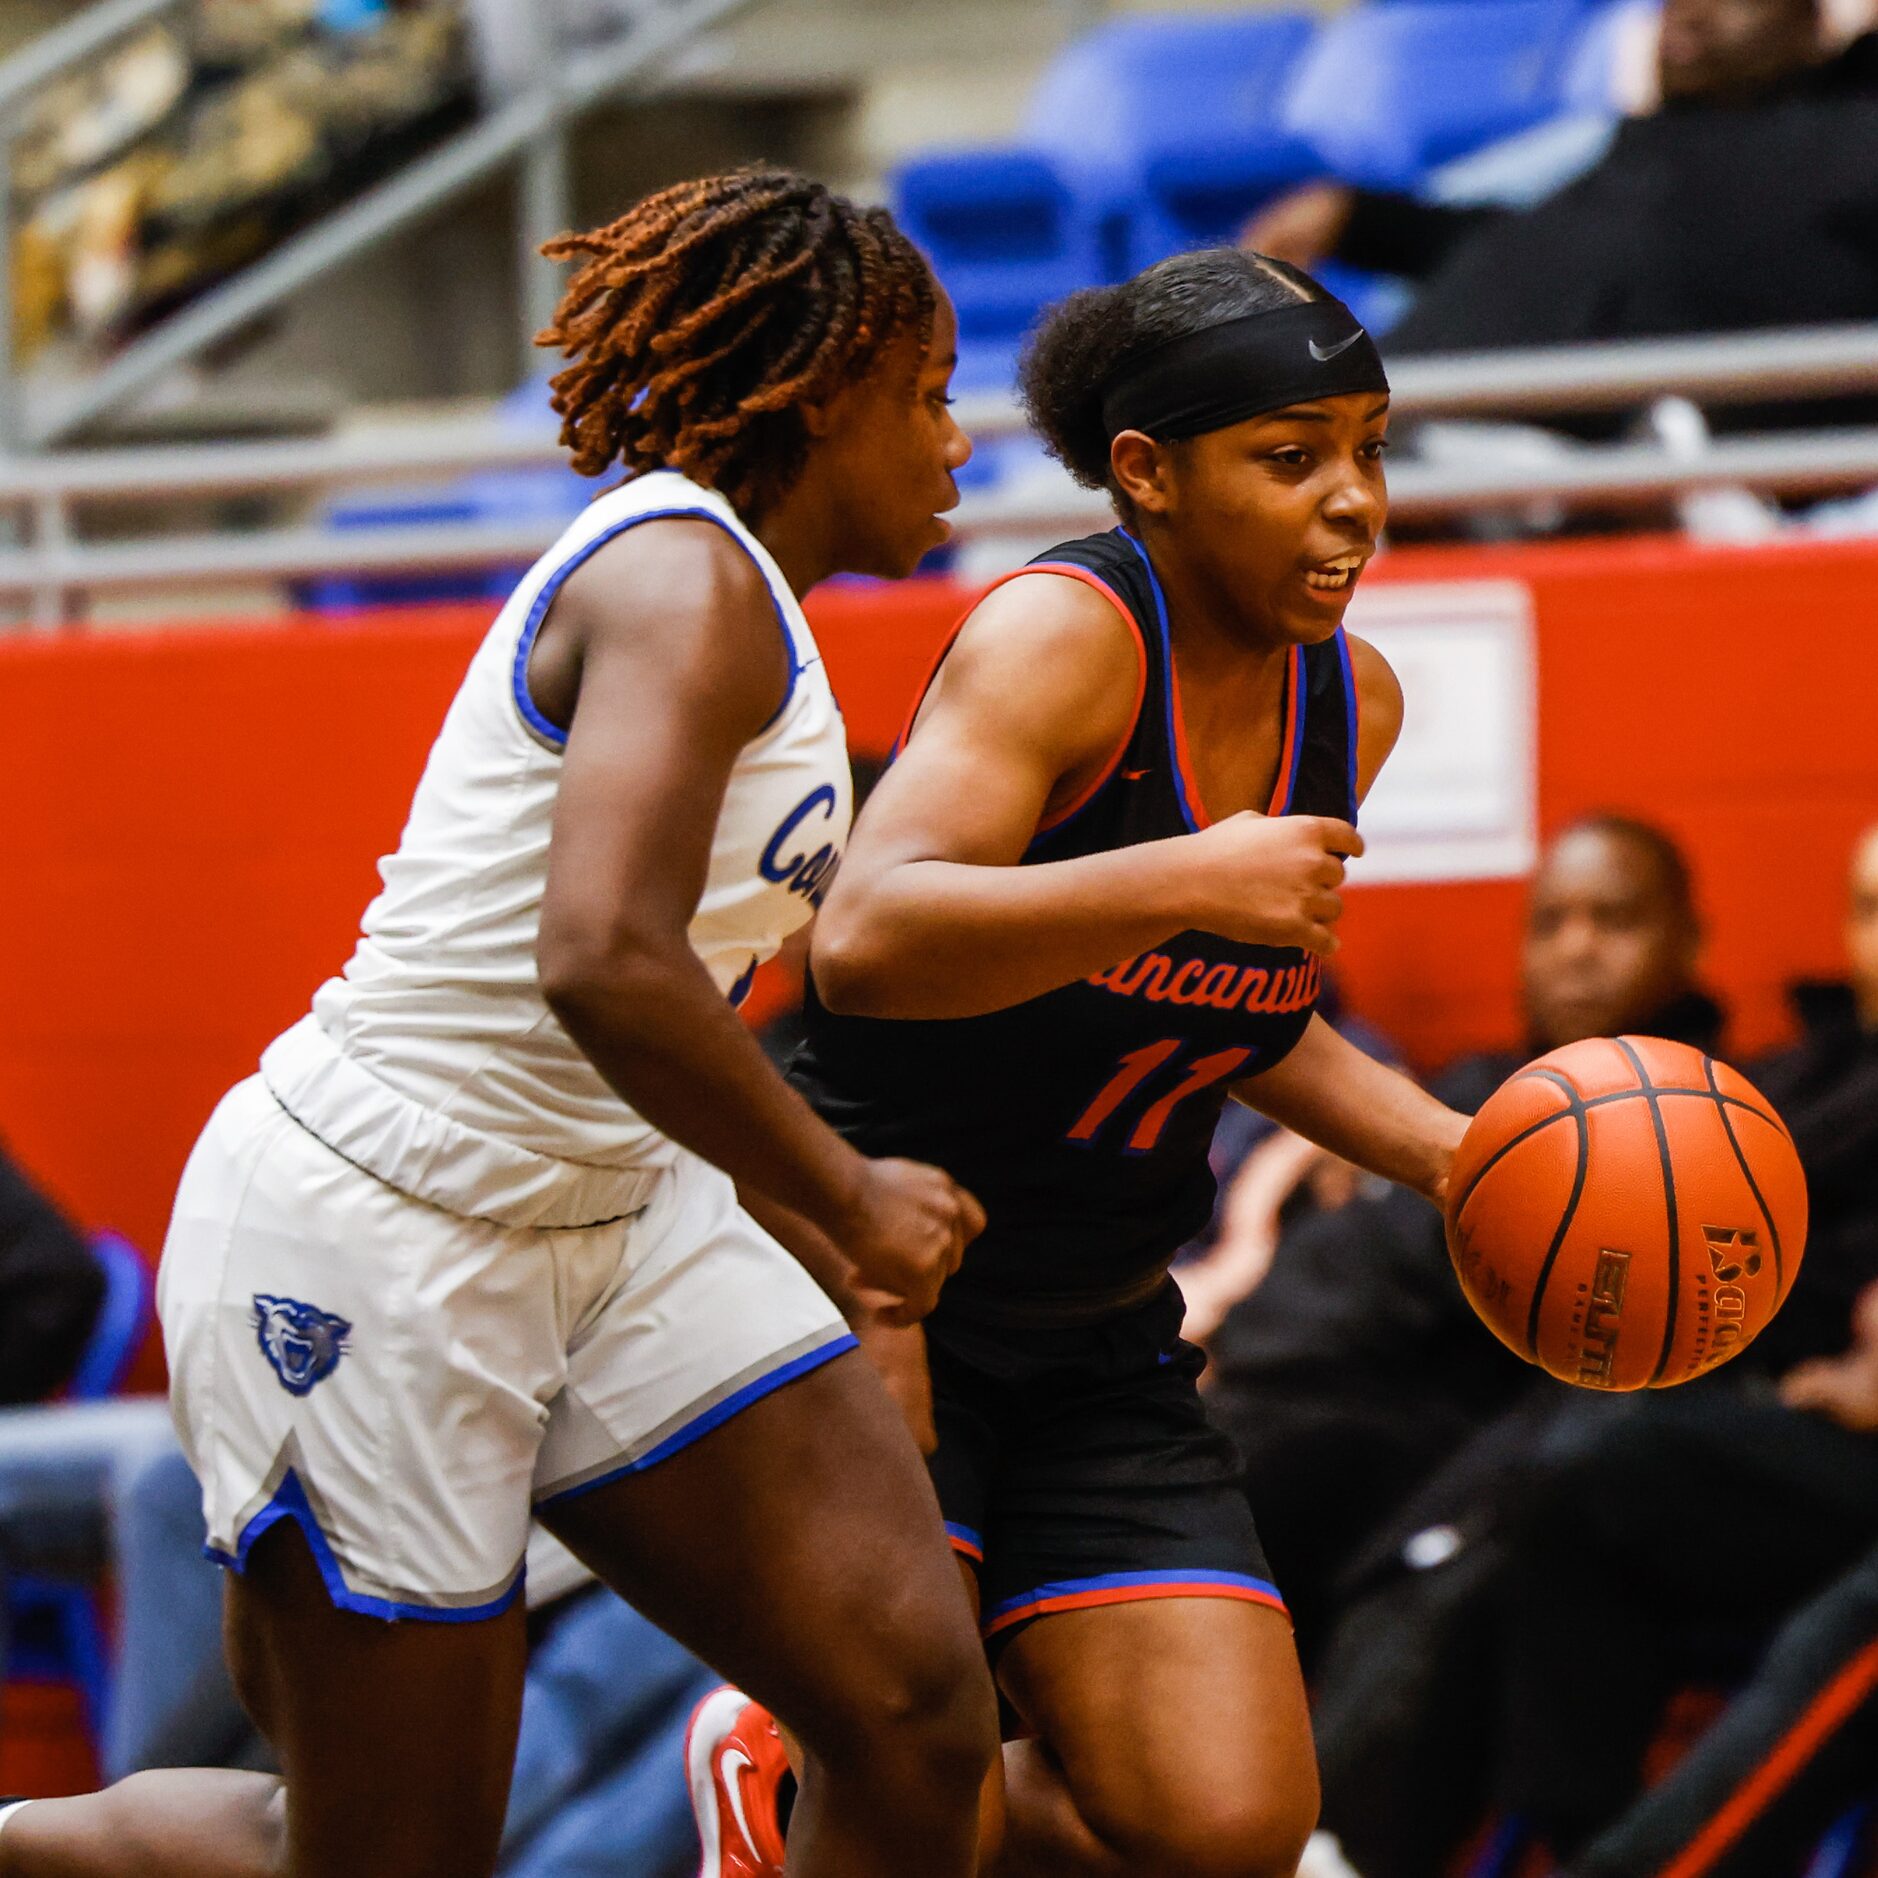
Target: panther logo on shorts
[{"x": 303, "y": 1342}]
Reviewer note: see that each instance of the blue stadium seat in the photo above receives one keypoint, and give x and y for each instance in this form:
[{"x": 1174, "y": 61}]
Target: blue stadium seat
[
  {"x": 123, "y": 1319},
  {"x": 1007, "y": 234},
  {"x": 56, "y": 1631},
  {"x": 1387, "y": 92},
  {"x": 1135, "y": 88},
  {"x": 1198, "y": 194},
  {"x": 553, "y": 494},
  {"x": 1145, "y": 137},
  {"x": 1172, "y": 124}
]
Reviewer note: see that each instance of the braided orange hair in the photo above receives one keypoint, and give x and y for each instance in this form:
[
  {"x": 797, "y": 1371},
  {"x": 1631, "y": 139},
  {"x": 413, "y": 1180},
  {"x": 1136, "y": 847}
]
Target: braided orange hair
[{"x": 708, "y": 313}]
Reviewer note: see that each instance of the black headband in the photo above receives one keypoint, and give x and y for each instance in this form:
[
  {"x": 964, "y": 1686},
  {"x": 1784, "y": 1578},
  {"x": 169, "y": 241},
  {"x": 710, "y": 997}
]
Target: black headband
[{"x": 1243, "y": 368}]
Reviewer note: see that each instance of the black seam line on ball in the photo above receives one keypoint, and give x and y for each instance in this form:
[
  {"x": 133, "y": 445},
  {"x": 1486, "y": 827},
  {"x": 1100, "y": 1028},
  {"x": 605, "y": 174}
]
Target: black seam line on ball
[
  {"x": 1747, "y": 1174},
  {"x": 1669, "y": 1089},
  {"x": 1501, "y": 1152},
  {"x": 1669, "y": 1202},
  {"x": 1581, "y": 1105},
  {"x": 1577, "y": 1113},
  {"x": 1703, "y": 1095}
]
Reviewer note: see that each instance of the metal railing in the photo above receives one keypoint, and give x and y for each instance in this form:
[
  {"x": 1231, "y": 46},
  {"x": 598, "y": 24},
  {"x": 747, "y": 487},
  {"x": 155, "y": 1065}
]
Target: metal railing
[
  {"x": 1532, "y": 381},
  {"x": 528, "y": 131},
  {"x": 56, "y": 564}
]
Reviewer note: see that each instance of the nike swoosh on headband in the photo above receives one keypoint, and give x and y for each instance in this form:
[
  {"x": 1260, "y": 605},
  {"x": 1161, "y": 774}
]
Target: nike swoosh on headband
[{"x": 1243, "y": 368}]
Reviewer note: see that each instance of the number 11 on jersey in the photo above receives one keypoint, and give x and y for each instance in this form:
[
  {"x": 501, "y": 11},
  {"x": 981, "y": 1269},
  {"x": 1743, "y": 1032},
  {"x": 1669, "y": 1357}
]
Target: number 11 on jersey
[{"x": 1135, "y": 1069}]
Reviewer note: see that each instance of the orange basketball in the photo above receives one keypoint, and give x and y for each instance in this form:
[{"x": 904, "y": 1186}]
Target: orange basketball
[{"x": 1626, "y": 1213}]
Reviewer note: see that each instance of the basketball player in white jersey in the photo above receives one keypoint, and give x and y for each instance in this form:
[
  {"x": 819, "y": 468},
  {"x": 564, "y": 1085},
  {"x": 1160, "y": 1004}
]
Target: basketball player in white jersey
[{"x": 481, "y": 1239}]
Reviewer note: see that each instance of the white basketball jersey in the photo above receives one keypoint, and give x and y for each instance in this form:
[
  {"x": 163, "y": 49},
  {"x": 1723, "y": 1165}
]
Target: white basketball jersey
[{"x": 434, "y": 1061}]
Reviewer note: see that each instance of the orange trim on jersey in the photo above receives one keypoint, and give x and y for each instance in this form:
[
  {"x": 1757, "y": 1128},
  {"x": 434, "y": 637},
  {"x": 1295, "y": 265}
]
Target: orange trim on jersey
[
  {"x": 1287, "y": 748},
  {"x": 1131, "y": 1594},
  {"x": 1182, "y": 761},
  {"x": 1288, "y": 744},
  {"x": 1069, "y": 571},
  {"x": 1827, "y": 1712}
]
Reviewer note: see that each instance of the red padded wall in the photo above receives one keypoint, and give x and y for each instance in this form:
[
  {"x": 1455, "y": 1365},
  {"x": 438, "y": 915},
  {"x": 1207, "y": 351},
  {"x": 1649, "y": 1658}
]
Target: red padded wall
[{"x": 192, "y": 817}]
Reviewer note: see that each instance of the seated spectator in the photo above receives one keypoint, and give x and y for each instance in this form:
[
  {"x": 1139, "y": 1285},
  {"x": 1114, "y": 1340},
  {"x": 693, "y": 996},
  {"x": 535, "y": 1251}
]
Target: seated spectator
[
  {"x": 604, "y": 1704},
  {"x": 50, "y": 1291},
  {"x": 1677, "y": 1528},
  {"x": 1749, "y": 199},
  {"x": 1826, "y": 1089},
  {"x": 1357, "y": 1360},
  {"x": 1796, "y": 1748}
]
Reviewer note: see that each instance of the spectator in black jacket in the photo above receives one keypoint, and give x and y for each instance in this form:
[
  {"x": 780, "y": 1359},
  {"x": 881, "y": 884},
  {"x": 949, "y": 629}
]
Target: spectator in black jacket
[
  {"x": 1797, "y": 1747},
  {"x": 1516, "y": 1629},
  {"x": 1356, "y": 1367},
  {"x": 50, "y": 1291},
  {"x": 1749, "y": 199},
  {"x": 1826, "y": 1089}
]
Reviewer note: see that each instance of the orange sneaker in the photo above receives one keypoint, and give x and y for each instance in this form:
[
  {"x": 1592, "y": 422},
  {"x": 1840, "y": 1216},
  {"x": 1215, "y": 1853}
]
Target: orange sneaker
[{"x": 735, "y": 1763}]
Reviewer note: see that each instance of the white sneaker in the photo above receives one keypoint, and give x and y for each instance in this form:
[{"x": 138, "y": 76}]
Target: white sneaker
[{"x": 1323, "y": 1858}]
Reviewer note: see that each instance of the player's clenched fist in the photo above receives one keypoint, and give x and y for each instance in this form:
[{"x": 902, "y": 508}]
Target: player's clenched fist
[
  {"x": 1273, "y": 880},
  {"x": 906, "y": 1232}
]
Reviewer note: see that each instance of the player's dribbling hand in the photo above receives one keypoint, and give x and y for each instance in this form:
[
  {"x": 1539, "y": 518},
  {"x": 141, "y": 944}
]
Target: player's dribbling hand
[
  {"x": 907, "y": 1231},
  {"x": 1273, "y": 880}
]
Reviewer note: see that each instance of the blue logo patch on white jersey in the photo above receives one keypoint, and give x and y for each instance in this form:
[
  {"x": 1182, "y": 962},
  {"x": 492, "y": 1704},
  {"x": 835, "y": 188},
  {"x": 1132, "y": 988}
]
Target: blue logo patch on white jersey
[{"x": 303, "y": 1342}]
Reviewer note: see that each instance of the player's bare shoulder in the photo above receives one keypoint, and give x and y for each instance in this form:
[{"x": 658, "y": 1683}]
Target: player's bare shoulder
[
  {"x": 684, "y": 564},
  {"x": 1052, "y": 653},
  {"x": 675, "y": 603}
]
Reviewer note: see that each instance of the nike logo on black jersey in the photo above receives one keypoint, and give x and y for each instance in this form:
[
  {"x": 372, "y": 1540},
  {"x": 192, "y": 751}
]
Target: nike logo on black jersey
[
  {"x": 1135, "y": 775},
  {"x": 1324, "y": 354}
]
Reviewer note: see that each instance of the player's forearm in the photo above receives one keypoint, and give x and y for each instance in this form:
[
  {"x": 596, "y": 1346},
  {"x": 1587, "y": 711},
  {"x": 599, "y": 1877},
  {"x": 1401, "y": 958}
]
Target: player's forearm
[
  {"x": 811, "y": 1248},
  {"x": 656, "y": 1027},
  {"x": 932, "y": 939},
  {"x": 1330, "y": 1092}
]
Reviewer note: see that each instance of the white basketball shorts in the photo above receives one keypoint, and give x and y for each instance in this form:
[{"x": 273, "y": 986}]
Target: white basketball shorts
[{"x": 407, "y": 1383}]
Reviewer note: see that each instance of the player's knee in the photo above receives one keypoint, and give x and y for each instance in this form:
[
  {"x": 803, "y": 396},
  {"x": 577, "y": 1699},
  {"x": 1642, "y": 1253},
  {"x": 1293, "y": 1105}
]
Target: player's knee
[
  {"x": 1223, "y": 1835},
  {"x": 929, "y": 1706},
  {"x": 941, "y": 1714},
  {"x": 955, "y": 1741}
]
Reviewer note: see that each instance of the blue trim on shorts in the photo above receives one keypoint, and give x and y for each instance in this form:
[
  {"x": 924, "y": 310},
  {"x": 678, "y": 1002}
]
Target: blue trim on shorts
[
  {"x": 966, "y": 1540},
  {"x": 1126, "y": 1581},
  {"x": 532, "y": 714},
  {"x": 290, "y": 1502},
  {"x": 713, "y": 1417}
]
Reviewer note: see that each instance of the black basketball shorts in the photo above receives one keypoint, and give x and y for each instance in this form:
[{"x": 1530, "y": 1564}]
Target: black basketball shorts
[{"x": 1076, "y": 1467}]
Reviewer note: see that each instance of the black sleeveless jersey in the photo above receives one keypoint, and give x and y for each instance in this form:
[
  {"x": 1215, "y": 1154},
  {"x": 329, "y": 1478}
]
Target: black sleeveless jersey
[{"x": 1082, "y": 1119}]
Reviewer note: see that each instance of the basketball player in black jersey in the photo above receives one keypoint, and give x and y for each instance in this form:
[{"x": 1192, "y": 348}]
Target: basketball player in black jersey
[{"x": 1088, "y": 903}]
